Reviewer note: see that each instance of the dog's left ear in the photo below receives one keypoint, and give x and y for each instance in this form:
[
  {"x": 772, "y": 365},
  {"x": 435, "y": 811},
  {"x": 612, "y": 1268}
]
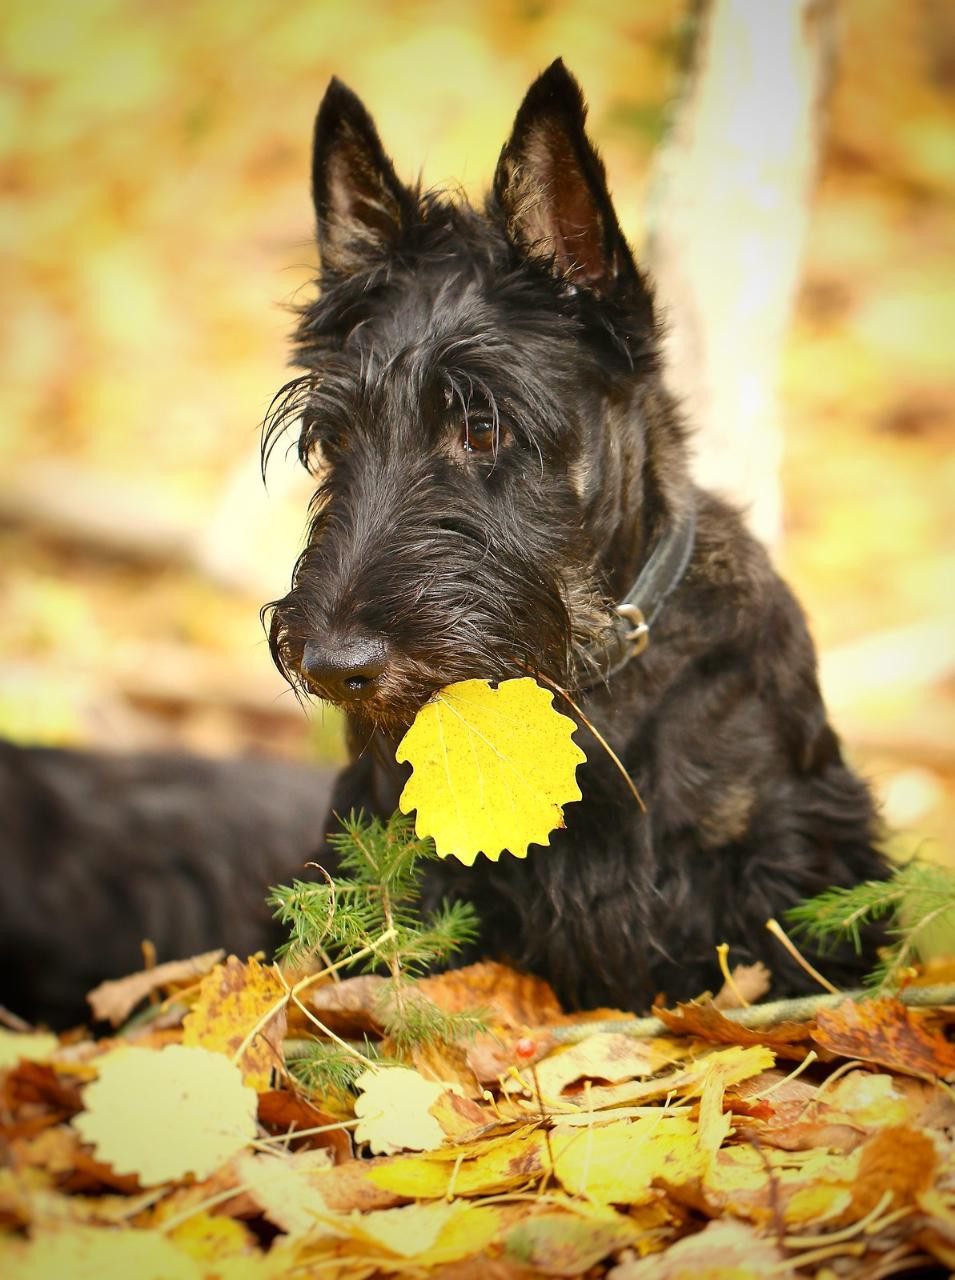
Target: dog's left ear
[
  {"x": 551, "y": 186},
  {"x": 360, "y": 205}
]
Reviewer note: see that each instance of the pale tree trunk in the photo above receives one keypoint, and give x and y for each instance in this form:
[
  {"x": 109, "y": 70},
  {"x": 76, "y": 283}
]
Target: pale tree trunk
[{"x": 727, "y": 222}]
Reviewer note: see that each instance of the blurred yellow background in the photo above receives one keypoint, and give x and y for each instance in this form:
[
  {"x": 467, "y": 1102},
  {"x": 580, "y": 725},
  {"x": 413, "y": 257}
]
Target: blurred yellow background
[{"x": 155, "y": 217}]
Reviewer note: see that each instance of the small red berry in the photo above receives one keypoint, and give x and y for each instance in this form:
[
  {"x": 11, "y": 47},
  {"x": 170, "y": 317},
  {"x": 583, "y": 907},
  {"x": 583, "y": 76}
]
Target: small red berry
[{"x": 525, "y": 1048}]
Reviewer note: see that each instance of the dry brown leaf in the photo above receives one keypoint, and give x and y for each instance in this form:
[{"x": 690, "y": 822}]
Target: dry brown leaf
[
  {"x": 786, "y": 1039},
  {"x": 282, "y": 1112},
  {"x": 900, "y": 1160},
  {"x": 233, "y": 999},
  {"x": 113, "y": 1001},
  {"x": 349, "y": 1008},
  {"x": 510, "y": 999},
  {"x": 886, "y": 1032},
  {"x": 750, "y": 982}
]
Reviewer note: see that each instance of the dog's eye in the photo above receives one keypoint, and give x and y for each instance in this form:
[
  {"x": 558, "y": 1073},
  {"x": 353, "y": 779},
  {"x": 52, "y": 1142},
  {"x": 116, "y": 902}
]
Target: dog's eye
[{"x": 479, "y": 435}]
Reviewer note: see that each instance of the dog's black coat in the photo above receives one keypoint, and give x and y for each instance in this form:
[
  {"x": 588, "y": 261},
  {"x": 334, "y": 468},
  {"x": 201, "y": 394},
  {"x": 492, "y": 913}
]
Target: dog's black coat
[
  {"x": 98, "y": 852},
  {"x": 497, "y": 457}
]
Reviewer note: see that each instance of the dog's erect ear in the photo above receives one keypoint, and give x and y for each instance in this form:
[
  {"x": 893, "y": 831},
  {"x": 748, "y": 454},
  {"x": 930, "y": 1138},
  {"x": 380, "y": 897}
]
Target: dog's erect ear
[
  {"x": 359, "y": 202},
  {"x": 552, "y": 188}
]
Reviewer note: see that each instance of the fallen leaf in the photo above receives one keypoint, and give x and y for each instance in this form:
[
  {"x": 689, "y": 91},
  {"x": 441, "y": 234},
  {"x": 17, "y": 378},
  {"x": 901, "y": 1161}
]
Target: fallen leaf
[
  {"x": 899, "y": 1160},
  {"x": 750, "y": 982},
  {"x": 233, "y": 1000},
  {"x": 566, "y": 1244},
  {"x": 721, "y": 1251},
  {"x": 282, "y": 1112},
  {"x": 210, "y": 1239},
  {"x": 25, "y": 1046},
  {"x": 429, "y": 1234},
  {"x": 281, "y": 1187},
  {"x": 394, "y": 1109},
  {"x": 161, "y": 1115},
  {"x": 485, "y": 1169},
  {"x": 510, "y": 999},
  {"x": 886, "y": 1032},
  {"x": 737, "y": 1063},
  {"x": 605, "y": 1056},
  {"x": 695, "y": 1018},
  {"x": 114, "y": 1000},
  {"x": 492, "y": 768},
  {"x": 617, "y": 1163},
  {"x": 96, "y": 1253}
]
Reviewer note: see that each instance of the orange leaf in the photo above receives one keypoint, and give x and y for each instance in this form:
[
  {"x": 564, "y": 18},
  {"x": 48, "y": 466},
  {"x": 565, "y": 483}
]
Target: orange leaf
[
  {"x": 786, "y": 1039},
  {"x": 885, "y": 1031}
]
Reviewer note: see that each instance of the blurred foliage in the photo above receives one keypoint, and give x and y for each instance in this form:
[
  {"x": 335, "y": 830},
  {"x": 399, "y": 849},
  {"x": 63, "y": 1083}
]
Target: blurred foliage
[{"x": 154, "y": 217}]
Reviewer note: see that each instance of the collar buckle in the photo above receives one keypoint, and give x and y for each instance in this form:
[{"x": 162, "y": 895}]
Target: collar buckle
[{"x": 638, "y": 637}]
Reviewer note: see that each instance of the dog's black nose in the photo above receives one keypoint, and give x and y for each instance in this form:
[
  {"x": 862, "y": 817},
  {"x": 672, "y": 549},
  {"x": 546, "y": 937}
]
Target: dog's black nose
[{"x": 345, "y": 669}]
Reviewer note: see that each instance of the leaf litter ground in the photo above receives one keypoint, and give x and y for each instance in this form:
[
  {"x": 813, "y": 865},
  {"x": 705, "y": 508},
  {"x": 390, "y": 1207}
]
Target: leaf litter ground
[{"x": 549, "y": 1145}]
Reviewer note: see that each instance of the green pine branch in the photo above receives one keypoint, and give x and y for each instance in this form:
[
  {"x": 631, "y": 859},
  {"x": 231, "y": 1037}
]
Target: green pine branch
[
  {"x": 371, "y": 908},
  {"x": 917, "y": 901}
]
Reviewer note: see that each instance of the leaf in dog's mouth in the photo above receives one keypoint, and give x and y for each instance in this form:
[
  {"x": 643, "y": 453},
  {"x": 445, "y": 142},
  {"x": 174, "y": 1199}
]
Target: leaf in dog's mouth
[{"x": 492, "y": 768}]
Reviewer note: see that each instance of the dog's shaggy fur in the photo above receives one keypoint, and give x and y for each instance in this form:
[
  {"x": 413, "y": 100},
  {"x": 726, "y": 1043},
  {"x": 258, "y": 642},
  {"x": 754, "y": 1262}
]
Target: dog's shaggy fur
[
  {"x": 497, "y": 458},
  {"x": 99, "y": 852}
]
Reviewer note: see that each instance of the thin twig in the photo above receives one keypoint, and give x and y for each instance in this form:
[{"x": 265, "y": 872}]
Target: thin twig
[{"x": 776, "y": 929}]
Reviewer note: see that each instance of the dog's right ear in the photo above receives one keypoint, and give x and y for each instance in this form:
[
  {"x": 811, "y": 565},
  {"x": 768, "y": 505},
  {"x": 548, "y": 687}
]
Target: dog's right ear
[{"x": 359, "y": 203}]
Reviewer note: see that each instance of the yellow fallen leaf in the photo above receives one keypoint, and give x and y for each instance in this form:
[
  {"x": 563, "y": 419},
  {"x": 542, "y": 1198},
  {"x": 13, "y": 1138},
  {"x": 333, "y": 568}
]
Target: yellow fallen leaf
[
  {"x": 233, "y": 999},
  {"x": 493, "y": 768},
  {"x": 212, "y": 1238},
  {"x": 163, "y": 1114},
  {"x": 497, "y": 1166},
  {"x": 430, "y": 1234},
  {"x": 567, "y": 1244},
  {"x": 96, "y": 1253},
  {"x": 617, "y": 1163},
  {"x": 606, "y": 1056},
  {"x": 394, "y": 1110},
  {"x": 29, "y": 1046},
  {"x": 280, "y": 1186}
]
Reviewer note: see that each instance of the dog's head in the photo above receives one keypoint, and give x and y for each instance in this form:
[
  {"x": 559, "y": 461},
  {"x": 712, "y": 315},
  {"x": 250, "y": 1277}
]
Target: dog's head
[{"x": 474, "y": 407}]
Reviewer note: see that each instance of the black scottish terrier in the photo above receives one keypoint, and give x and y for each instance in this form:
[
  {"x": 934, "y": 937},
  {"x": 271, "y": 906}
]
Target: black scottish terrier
[{"x": 503, "y": 489}]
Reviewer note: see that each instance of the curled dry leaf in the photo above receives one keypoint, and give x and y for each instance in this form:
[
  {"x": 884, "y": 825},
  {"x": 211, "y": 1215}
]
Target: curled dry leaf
[
  {"x": 886, "y": 1032},
  {"x": 114, "y": 1000},
  {"x": 696, "y": 1018},
  {"x": 492, "y": 768}
]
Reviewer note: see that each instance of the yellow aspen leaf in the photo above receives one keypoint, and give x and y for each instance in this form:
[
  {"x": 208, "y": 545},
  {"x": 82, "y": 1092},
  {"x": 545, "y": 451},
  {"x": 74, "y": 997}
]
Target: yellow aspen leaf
[
  {"x": 96, "y": 1253},
  {"x": 233, "y": 999},
  {"x": 496, "y": 1166},
  {"x": 617, "y": 1163},
  {"x": 394, "y": 1110},
  {"x": 493, "y": 768},
  {"x": 430, "y": 1234},
  {"x": 163, "y": 1114},
  {"x": 25, "y": 1046},
  {"x": 212, "y": 1237}
]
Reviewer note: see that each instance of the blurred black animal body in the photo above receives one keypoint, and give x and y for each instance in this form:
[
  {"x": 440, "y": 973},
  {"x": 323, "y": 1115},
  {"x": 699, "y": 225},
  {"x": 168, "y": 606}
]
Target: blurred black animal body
[
  {"x": 502, "y": 489},
  {"x": 98, "y": 852}
]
